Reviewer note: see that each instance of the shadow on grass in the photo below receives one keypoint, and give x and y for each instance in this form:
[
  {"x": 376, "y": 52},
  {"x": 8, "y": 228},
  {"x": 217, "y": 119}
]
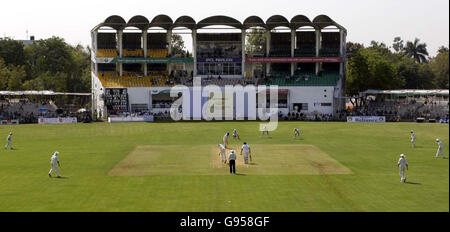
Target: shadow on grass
[
  {"x": 240, "y": 174},
  {"x": 60, "y": 178},
  {"x": 414, "y": 183}
]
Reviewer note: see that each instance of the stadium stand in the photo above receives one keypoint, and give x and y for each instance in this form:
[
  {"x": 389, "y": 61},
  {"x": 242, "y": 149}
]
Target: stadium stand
[
  {"x": 157, "y": 53},
  {"x": 107, "y": 53},
  {"x": 304, "y": 79}
]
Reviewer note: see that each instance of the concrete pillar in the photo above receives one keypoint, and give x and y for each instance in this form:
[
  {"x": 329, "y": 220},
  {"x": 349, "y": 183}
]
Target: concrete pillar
[
  {"x": 268, "y": 51},
  {"x": 120, "y": 46},
  {"x": 144, "y": 48},
  {"x": 119, "y": 42},
  {"x": 95, "y": 42},
  {"x": 144, "y": 42},
  {"x": 292, "y": 50},
  {"x": 194, "y": 49},
  {"x": 318, "y": 44},
  {"x": 169, "y": 41},
  {"x": 243, "y": 52},
  {"x": 342, "y": 51}
]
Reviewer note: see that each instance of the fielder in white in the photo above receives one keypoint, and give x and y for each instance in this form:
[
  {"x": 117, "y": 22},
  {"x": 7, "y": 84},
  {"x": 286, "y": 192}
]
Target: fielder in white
[
  {"x": 296, "y": 133},
  {"x": 265, "y": 131},
  {"x": 236, "y": 135},
  {"x": 9, "y": 142},
  {"x": 222, "y": 153},
  {"x": 440, "y": 150},
  {"x": 54, "y": 161},
  {"x": 225, "y": 139},
  {"x": 402, "y": 166},
  {"x": 247, "y": 152},
  {"x": 413, "y": 139}
]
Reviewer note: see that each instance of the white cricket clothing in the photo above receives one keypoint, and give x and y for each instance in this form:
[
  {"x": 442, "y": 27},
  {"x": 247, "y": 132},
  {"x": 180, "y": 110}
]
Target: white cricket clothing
[
  {"x": 441, "y": 146},
  {"x": 402, "y": 164},
  {"x": 8, "y": 142},
  {"x": 246, "y": 148},
  {"x": 225, "y": 140},
  {"x": 54, "y": 160},
  {"x": 223, "y": 155},
  {"x": 440, "y": 150},
  {"x": 413, "y": 137},
  {"x": 232, "y": 156}
]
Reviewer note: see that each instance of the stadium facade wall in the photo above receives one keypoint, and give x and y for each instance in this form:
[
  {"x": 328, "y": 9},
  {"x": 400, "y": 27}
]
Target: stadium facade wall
[{"x": 311, "y": 99}]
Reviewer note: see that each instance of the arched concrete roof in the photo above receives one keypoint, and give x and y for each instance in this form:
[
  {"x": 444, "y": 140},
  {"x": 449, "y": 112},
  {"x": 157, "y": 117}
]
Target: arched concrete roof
[
  {"x": 301, "y": 21},
  {"x": 138, "y": 21},
  {"x": 163, "y": 21},
  {"x": 277, "y": 21},
  {"x": 324, "y": 21},
  {"x": 220, "y": 20},
  {"x": 185, "y": 21},
  {"x": 115, "y": 22},
  {"x": 118, "y": 23},
  {"x": 254, "y": 21}
]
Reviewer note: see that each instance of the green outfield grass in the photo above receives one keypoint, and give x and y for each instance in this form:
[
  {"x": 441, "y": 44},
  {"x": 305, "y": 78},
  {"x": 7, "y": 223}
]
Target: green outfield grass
[{"x": 175, "y": 167}]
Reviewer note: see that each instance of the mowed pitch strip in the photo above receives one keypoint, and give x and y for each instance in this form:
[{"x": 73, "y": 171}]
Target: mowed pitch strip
[{"x": 268, "y": 159}]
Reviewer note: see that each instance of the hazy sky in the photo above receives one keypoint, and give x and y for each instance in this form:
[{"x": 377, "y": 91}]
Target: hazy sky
[{"x": 365, "y": 20}]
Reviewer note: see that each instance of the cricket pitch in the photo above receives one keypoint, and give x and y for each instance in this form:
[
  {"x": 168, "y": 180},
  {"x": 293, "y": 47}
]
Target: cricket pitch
[{"x": 267, "y": 159}]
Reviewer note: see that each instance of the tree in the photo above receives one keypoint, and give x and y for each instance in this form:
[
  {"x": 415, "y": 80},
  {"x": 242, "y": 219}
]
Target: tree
[
  {"x": 11, "y": 51},
  {"x": 416, "y": 76},
  {"x": 398, "y": 44},
  {"x": 178, "y": 46},
  {"x": 11, "y": 76},
  {"x": 352, "y": 48},
  {"x": 256, "y": 42},
  {"x": 440, "y": 67},
  {"x": 371, "y": 68},
  {"x": 417, "y": 51}
]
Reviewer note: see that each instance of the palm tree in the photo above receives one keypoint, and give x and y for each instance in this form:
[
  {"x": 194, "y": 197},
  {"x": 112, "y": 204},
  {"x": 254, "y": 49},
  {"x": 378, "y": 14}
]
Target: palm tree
[{"x": 417, "y": 51}]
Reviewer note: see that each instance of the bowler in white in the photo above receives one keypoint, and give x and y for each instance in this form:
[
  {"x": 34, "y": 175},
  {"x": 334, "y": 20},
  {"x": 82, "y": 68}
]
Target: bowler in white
[
  {"x": 247, "y": 152},
  {"x": 222, "y": 153}
]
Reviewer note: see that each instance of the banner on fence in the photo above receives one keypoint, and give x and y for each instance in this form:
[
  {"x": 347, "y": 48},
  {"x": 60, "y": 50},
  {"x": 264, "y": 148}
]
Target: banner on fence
[
  {"x": 9, "y": 122},
  {"x": 366, "y": 119},
  {"x": 145, "y": 118},
  {"x": 66, "y": 120}
]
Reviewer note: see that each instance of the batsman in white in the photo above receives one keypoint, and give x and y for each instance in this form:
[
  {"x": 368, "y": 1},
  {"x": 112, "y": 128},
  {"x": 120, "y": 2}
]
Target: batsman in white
[
  {"x": 440, "y": 150},
  {"x": 413, "y": 139},
  {"x": 296, "y": 133},
  {"x": 222, "y": 153},
  {"x": 236, "y": 135},
  {"x": 247, "y": 152},
  {"x": 54, "y": 161},
  {"x": 225, "y": 139},
  {"x": 402, "y": 166},
  {"x": 9, "y": 142}
]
